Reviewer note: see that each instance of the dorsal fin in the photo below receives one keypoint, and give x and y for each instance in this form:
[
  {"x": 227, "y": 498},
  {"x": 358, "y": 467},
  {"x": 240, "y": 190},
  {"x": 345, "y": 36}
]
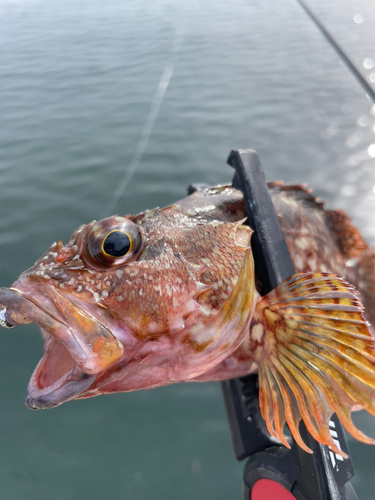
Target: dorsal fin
[
  {"x": 347, "y": 236},
  {"x": 300, "y": 193}
]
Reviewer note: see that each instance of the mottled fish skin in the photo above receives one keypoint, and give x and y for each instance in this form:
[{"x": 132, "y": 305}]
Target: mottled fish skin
[
  {"x": 153, "y": 315},
  {"x": 308, "y": 339},
  {"x": 319, "y": 241}
]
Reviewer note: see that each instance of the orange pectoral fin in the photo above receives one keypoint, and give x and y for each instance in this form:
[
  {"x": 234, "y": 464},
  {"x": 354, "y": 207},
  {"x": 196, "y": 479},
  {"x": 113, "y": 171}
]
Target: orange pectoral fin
[{"x": 317, "y": 358}]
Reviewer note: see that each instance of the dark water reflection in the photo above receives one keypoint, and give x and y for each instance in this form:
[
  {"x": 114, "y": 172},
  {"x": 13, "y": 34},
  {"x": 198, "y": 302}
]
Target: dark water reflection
[{"x": 77, "y": 79}]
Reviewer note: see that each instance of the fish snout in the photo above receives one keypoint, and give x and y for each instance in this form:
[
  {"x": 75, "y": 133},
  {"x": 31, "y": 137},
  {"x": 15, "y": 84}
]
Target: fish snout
[
  {"x": 90, "y": 343},
  {"x": 12, "y": 308},
  {"x": 4, "y": 319}
]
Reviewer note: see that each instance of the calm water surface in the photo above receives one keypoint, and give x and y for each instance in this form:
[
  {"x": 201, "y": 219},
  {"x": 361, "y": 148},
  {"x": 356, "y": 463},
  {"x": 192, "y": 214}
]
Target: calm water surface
[{"x": 118, "y": 106}]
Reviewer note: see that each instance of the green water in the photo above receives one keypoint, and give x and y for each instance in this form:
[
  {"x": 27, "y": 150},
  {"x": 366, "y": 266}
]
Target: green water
[{"x": 93, "y": 91}]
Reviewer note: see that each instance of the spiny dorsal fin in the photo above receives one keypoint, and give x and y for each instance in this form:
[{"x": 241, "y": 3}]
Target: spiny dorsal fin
[
  {"x": 299, "y": 192},
  {"x": 317, "y": 357},
  {"x": 347, "y": 236}
]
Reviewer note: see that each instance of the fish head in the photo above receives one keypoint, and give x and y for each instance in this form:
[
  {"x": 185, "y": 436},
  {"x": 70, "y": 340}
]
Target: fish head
[{"x": 131, "y": 302}]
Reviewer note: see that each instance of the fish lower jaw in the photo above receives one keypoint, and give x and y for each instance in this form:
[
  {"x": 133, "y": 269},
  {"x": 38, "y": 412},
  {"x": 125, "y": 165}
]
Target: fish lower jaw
[
  {"x": 77, "y": 345},
  {"x": 56, "y": 379},
  {"x": 35, "y": 394}
]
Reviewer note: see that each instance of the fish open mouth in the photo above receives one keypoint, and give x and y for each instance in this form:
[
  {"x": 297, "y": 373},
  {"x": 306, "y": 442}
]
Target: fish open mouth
[
  {"x": 57, "y": 378},
  {"x": 77, "y": 346}
]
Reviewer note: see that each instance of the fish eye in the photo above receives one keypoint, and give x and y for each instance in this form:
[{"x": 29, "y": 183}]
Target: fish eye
[
  {"x": 111, "y": 243},
  {"x": 117, "y": 244}
]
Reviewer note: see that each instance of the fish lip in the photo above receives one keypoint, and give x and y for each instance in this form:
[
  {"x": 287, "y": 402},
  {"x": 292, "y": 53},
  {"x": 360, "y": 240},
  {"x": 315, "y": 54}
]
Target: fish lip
[
  {"x": 20, "y": 302},
  {"x": 74, "y": 381},
  {"x": 68, "y": 387},
  {"x": 89, "y": 339}
]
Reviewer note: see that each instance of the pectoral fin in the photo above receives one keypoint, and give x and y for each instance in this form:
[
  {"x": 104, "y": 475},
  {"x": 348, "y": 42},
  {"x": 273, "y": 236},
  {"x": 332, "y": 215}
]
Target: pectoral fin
[{"x": 317, "y": 357}]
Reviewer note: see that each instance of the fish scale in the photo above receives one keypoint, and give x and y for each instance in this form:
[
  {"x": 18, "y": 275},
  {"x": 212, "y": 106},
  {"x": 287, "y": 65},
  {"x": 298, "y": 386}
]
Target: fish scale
[{"x": 179, "y": 302}]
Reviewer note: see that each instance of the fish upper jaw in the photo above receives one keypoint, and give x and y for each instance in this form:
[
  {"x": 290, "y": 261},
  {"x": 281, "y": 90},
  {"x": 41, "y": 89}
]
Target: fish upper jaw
[{"x": 77, "y": 345}]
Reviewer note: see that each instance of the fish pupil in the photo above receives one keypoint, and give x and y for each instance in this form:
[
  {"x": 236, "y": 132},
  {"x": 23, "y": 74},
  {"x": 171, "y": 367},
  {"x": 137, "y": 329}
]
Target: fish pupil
[{"x": 117, "y": 244}]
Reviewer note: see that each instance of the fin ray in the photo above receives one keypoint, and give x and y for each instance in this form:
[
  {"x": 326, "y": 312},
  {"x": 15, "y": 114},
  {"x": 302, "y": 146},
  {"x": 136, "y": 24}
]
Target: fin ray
[
  {"x": 337, "y": 399},
  {"x": 292, "y": 414},
  {"x": 277, "y": 407},
  {"x": 303, "y": 391},
  {"x": 316, "y": 407},
  {"x": 317, "y": 352},
  {"x": 362, "y": 396},
  {"x": 339, "y": 354},
  {"x": 265, "y": 402}
]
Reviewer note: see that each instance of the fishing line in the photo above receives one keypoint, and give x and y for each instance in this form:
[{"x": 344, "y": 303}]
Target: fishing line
[
  {"x": 354, "y": 68},
  {"x": 152, "y": 114}
]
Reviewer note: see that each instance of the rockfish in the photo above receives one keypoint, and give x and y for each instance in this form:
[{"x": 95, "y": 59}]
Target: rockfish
[{"x": 170, "y": 295}]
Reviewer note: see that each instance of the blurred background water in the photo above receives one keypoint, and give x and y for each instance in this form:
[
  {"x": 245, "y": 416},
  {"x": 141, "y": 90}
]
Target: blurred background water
[{"x": 119, "y": 105}]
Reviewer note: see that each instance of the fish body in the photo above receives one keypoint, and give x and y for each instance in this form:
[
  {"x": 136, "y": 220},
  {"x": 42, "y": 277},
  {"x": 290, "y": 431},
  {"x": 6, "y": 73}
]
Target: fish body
[{"x": 170, "y": 295}]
